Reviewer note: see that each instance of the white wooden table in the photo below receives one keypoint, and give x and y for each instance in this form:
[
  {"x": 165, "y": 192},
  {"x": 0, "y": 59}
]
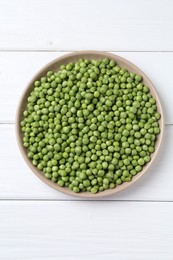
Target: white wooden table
[{"x": 37, "y": 222}]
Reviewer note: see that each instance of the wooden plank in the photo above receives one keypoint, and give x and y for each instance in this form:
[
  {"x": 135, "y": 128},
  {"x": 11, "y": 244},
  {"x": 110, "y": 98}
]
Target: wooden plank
[
  {"x": 87, "y": 230},
  {"x": 77, "y": 25},
  {"x": 17, "y": 68},
  {"x": 18, "y": 182}
]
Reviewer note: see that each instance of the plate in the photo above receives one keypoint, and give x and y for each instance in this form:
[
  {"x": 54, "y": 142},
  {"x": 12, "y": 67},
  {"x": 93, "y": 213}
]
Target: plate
[{"x": 54, "y": 66}]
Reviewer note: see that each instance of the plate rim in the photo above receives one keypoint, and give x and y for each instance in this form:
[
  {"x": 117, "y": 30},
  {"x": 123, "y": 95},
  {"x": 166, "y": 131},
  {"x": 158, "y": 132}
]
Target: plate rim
[{"x": 29, "y": 88}]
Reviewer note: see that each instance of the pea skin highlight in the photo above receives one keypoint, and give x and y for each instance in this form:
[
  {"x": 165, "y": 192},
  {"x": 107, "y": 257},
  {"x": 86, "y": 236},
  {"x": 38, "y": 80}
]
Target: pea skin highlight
[{"x": 91, "y": 126}]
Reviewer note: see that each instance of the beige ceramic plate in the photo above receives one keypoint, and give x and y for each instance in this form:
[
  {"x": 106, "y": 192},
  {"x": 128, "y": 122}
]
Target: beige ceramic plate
[{"x": 54, "y": 65}]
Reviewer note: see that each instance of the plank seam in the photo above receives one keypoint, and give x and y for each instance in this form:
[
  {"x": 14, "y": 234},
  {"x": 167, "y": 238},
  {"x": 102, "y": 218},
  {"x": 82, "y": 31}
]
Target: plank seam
[
  {"x": 85, "y": 200},
  {"x": 56, "y": 50}
]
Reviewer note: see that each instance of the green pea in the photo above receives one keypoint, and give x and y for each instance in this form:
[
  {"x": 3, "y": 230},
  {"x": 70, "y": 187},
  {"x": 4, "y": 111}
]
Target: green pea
[{"x": 90, "y": 126}]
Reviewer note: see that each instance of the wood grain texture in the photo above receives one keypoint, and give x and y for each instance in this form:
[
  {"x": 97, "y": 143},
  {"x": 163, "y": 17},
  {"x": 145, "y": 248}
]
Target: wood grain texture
[
  {"x": 78, "y": 25},
  {"x": 37, "y": 222},
  {"x": 18, "y": 182},
  {"x": 86, "y": 230},
  {"x": 17, "y": 68}
]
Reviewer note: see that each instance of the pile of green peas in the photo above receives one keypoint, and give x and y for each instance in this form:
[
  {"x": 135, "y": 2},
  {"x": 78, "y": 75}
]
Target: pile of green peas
[{"x": 90, "y": 126}]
